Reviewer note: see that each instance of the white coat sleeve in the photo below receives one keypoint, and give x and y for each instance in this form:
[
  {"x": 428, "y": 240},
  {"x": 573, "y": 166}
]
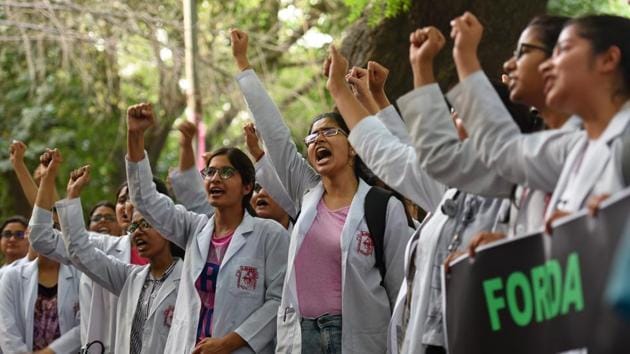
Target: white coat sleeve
[
  {"x": 174, "y": 222},
  {"x": 294, "y": 171},
  {"x": 440, "y": 152},
  {"x": 395, "y": 124},
  {"x": 395, "y": 163},
  {"x": 49, "y": 242},
  {"x": 260, "y": 327},
  {"x": 267, "y": 177},
  {"x": 69, "y": 342},
  {"x": 189, "y": 190},
  {"x": 534, "y": 160},
  {"x": 107, "y": 271},
  {"x": 11, "y": 340},
  {"x": 397, "y": 235}
]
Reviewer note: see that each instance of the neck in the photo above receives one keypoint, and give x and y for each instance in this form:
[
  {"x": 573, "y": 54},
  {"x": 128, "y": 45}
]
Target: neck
[
  {"x": 553, "y": 119},
  {"x": 227, "y": 219},
  {"x": 340, "y": 189},
  {"x": 597, "y": 115},
  {"x": 46, "y": 263},
  {"x": 284, "y": 220},
  {"x": 10, "y": 259},
  {"x": 161, "y": 262}
]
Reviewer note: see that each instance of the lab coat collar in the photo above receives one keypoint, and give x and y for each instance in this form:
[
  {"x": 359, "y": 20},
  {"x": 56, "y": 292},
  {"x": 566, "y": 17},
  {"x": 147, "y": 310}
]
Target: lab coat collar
[
  {"x": 617, "y": 124},
  {"x": 353, "y": 220},
  {"x": 238, "y": 240},
  {"x": 170, "y": 284},
  {"x": 64, "y": 286}
]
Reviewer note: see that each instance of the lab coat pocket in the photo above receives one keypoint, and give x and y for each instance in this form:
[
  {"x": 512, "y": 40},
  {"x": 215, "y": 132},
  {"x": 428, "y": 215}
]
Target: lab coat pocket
[
  {"x": 362, "y": 250},
  {"x": 372, "y": 340},
  {"x": 248, "y": 280}
]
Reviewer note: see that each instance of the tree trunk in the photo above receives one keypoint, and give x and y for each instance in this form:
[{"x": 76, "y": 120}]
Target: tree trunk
[{"x": 388, "y": 43}]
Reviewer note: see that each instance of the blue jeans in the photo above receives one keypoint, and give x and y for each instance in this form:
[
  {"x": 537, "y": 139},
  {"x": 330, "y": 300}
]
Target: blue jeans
[{"x": 321, "y": 335}]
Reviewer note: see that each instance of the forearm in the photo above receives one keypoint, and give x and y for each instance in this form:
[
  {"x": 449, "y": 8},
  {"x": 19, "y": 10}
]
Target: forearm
[
  {"x": 186, "y": 156},
  {"x": 423, "y": 74},
  {"x": 466, "y": 64},
  {"x": 135, "y": 146},
  {"x": 46, "y": 194},
  {"x": 351, "y": 110},
  {"x": 26, "y": 181},
  {"x": 381, "y": 99}
]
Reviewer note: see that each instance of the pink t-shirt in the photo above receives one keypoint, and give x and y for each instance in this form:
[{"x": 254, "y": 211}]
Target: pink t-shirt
[{"x": 318, "y": 264}]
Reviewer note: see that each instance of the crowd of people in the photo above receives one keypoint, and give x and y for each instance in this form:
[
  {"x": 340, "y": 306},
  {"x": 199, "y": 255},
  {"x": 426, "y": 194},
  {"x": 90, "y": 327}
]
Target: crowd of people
[{"x": 326, "y": 252}]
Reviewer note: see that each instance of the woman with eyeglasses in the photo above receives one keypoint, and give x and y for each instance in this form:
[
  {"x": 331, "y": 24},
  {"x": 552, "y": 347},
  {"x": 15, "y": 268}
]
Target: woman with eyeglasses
[
  {"x": 232, "y": 276},
  {"x": 39, "y": 300},
  {"x": 332, "y": 277},
  {"x": 146, "y": 293},
  {"x": 102, "y": 219},
  {"x": 13, "y": 241}
]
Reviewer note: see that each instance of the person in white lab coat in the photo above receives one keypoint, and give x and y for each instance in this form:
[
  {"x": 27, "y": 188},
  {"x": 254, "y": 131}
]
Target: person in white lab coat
[
  {"x": 13, "y": 241},
  {"x": 232, "y": 276},
  {"x": 416, "y": 325},
  {"x": 39, "y": 301},
  {"x": 346, "y": 305},
  {"x": 146, "y": 293}
]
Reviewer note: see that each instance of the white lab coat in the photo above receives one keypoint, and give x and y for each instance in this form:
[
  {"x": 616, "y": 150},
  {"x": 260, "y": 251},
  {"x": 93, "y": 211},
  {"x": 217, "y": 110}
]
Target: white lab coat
[
  {"x": 250, "y": 278},
  {"x": 366, "y": 305},
  {"x": 267, "y": 177},
  {"x": 532, "y": 160},
  {"x": 98, "y": 305},
  {"x": 18, "y": 294},
  {"x": 600, "y": 169},
  {"x": 121, "y": 279}
]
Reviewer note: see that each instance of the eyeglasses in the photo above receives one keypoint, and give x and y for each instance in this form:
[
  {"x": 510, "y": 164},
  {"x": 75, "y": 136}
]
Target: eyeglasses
[
  {"x": 523, "y": 47},
  {"x": 327, "y": 132},
  {"x": 225, "y": 172},
  {"x": 16, "y": 234},
  {"x": 106, "y": 217},
  {"x": 142, "y": 225},
  {"x": 257, "y": 187}
]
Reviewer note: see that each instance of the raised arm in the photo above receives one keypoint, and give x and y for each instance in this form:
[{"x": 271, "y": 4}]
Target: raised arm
[
  {"x": 439, "y": 149},
  {"x": 186, "y": 181},
  {"x": 294, "y": 171},
  {"x": 534, "y": 160},
  {"x": 16, "y": 155},
  {"x": 266, "y": 174},
  {"x": 173, "y": 221}
]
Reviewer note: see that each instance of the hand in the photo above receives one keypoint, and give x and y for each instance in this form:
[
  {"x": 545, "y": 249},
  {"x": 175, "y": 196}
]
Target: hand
[
  {"x": 252, "y": 142},
  {"x": 188, "y": 130},
  {"x": 377, "y": 75},
  {"x": 483, "y": 238},
  {"x": 336, "y": 69},
  {"x": 451, "y": 257},
  {"x": 140, "y": 117},
  {"x": 224, "y": 345},
  {"x": 466, "y": 31},
  {"x": 424, "y": 45},
  {"x": 358, "y": 78},
  {"x": 239, "y": 41},
  {"x": 206, "y": 157},
  {"x": 594, "y": 203},
  {"x": 45, "y": 351},
  {"x": 16, "y": 152},
  {"x": 50, "y": 161},
  {"x": 79, "y": 178},
  {"x": 557, "y": 214}
]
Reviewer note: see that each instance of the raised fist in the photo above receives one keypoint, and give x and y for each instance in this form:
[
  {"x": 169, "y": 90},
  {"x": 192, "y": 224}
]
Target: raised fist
[
  {"x": 358, "y": 79},
  {"x": 239, "y": 40},
  {"x": 140, "y": 117},
  {"x": 252, "y": 141},
  {"x": 424, "y": 45},
  {"x": 79, "y": 178},
  {"x": 188, "y": 130},
  {"x": 51, "y": 159},
  {"x": 466, "y": 30},
  {"x": 377, "y": 75},
  {"x": 16, "y": 151},
  {"x": 337, "y": 69}
]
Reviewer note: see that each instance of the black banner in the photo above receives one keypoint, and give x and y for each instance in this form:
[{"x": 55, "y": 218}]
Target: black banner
[{"x": 512, "y": 298}]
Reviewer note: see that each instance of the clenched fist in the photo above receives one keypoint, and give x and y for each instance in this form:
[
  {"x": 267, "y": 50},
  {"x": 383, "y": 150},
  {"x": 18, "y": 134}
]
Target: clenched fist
[{"x": 140, "y": 117}]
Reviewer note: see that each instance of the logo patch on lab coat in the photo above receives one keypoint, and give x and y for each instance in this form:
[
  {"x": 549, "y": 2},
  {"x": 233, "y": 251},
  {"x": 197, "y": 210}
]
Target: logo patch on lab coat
[
  {"x": 246, "y": 278},
  {"x": 168, "y": 316},
  {"x": 365, "y": 245}
]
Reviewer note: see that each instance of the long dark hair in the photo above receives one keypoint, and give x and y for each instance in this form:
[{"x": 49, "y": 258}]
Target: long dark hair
[
  {"x": 245, "y": 168},
  {"x": 548, "y": 29},
  {"x": 603, "y": 32}
]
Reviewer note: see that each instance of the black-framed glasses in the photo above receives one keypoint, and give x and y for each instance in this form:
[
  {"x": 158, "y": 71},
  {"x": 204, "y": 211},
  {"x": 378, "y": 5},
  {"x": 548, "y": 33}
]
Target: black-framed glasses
[
  {"x": 327, "y": 132},
  {"x": 523, "y": 48},
  {"x": 225, "y": 172},
  {"x": 142, "y": 225},
  {"x": 106, "y": 217},
  {"x": 257, "y": 187},
  {"x": 16, "y": 234}
]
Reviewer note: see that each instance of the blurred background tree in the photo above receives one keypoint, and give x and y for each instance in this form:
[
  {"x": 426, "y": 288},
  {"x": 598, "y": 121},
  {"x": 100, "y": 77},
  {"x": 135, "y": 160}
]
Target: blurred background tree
[{"x": 69, "y": 68}]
